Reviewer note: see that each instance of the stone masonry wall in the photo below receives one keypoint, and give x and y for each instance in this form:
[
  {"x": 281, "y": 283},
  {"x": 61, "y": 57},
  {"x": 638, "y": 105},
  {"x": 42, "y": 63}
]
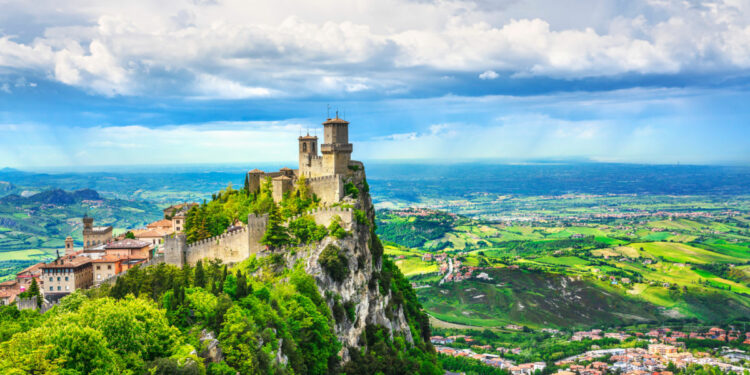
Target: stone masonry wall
[{"x": 330, "y": 189}]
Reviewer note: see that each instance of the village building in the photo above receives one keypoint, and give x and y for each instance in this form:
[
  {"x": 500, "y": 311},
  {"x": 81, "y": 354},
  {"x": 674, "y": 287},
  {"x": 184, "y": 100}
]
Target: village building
[
  {"x": 176, "y": 214},
  {"x": 129, "y": 248},
  {"x": 27, "y": 275},
  {"x": 95, "y": 236},
  {"x": 106, "y": 267},
  {"x": 66, "y": 275}
]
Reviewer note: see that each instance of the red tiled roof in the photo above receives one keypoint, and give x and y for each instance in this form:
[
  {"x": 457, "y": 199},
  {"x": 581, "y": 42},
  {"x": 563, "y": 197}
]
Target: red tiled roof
[
  {"x": 67, "y": 262},
  {"x": 164, "y": 223},
  {"x": 127, "y": 243}
]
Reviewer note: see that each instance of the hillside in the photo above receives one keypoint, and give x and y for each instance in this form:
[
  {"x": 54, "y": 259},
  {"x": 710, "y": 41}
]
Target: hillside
[
  {"x": 534, "y": 299},
  {"x": 653, "y": 259},
  {"x": 32, "y": 228},
  {"x": 318, "y": 300}
]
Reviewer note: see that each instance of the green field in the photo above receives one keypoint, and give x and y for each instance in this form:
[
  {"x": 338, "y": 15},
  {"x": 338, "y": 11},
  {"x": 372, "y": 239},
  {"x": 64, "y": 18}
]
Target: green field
[{"x": 669, "y": 268}]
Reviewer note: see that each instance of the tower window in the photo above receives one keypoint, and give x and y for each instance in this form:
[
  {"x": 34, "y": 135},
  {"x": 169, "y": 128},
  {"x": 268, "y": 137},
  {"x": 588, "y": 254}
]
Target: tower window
[{"x": 304, "y": 147}]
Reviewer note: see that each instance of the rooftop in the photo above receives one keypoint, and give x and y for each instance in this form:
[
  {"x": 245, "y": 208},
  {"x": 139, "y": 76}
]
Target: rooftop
[
  {"x": 101, "y": 229},
  {"x": 109, "y": 258},
  {"x": 163, "y": 223},
  {"x": 280, "y": 178},
  {"x": 335, "y": 121},
  {"x": 67, "y": 262},
  {"x": 152, "y": 233},
  {"x": 32, "y": 268},
  {"x": 127, "y": 243},
  {"x": 256, "y": 170}
]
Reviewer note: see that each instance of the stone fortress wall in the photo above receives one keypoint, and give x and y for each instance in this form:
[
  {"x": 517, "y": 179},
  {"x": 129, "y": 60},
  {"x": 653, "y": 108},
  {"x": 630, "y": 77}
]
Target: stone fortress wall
[
  {"x": 237, "y": 245},
  {"x": 324, "y": 176}
]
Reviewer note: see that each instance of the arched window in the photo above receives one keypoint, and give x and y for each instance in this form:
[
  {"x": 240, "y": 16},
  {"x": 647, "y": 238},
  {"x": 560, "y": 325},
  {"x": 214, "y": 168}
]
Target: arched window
[{"x": 304, "y": 147}]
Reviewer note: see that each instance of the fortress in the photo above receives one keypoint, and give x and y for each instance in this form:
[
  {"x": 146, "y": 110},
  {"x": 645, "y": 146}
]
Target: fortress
[{"x": 324, "y": 175}]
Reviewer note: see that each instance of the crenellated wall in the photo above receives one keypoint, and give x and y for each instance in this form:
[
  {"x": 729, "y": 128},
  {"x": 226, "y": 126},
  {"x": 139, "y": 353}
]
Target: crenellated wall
[
  {"x": 239, "y": 244},
  {"x": 231, "y": 247},
  {"x": 330, "y": 189}
]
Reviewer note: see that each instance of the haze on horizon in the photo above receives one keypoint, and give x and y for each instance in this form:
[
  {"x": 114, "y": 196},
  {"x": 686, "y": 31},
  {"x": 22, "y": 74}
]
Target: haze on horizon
[{"x": 92, "y": 83}]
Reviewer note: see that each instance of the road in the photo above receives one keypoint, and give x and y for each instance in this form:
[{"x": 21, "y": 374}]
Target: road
[{"x": 450, "y": 270}]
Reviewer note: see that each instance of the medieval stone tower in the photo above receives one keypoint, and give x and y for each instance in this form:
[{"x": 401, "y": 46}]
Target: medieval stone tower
[
  {"x": 336, "y": 150},
  {"x": 69, "y": 249}
]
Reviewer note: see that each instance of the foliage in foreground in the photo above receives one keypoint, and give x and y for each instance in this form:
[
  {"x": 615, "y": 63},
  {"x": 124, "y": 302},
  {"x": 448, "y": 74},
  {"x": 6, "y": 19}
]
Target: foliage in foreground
[{"x": 152, "y": 319}]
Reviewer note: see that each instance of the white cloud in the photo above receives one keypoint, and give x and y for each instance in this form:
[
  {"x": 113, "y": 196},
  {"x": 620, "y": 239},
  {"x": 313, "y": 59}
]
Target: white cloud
[
  {"x": 489, "y": 74},
  {"x": 234, "y": 49}
]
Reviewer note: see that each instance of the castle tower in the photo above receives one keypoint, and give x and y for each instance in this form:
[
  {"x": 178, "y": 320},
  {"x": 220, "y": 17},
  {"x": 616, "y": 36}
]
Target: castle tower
[
  {"x": 88, "y": 222},
  {"x": 253, "y": 179},
  {"x": 69, "y": 250},
  {"x": 337, "y": 150},
  {"x": 308, "y": 153}
]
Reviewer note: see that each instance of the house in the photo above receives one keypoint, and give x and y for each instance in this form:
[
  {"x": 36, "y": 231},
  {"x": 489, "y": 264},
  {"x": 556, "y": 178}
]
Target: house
[
  {"x": 25, "y": 277},
  {"x": 6, "y": 298},
  {"x": 153, "y": 236},
  {"x": 66, "y": 275},
  {"x": 106, "y": 267},
  {"x": 177, "y": 214},
  {"x": 427, "y": 257},
  {"x": 129, "y": 248}
]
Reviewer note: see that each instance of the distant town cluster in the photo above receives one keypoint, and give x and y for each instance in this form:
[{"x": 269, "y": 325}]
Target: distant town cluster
[{"x": 662, "y": 353}]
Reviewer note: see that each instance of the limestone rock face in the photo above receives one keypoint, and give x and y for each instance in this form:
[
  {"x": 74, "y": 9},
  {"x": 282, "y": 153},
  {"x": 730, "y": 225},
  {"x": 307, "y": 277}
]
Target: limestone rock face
[
  {"x": 360, "y": 286},
  {"x": 212, "y": 351}
]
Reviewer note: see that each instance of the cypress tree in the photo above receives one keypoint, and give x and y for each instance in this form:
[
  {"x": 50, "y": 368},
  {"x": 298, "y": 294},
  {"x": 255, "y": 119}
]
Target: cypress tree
[
  {"x": 200, "y": 276},
  {"x": 35, "y": 292},
  {"x": 241, "y": 285},
  {"x": 276, "y": 235}
]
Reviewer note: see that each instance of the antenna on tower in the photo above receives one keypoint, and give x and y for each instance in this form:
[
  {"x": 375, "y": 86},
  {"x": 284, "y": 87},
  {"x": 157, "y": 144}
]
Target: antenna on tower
[{"x": 328, "y": 111}]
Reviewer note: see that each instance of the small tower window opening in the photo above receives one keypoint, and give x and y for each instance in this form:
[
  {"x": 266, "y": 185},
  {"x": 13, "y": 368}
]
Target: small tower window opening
[
  {"x": 312, "y": 147},
  {"x": 304, "y": 147}
]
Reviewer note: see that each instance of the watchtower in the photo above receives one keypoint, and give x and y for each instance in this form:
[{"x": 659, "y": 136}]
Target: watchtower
[
  {"x": 253, "y": 180},
  {"x": 88, "y": 222},
  {"x": 69, "y": 250},
  {"x": 337, "y": 150},
  {"x": 308, "y": 154}
]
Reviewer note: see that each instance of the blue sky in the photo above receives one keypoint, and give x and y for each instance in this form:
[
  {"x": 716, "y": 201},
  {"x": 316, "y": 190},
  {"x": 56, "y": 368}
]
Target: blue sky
[{"x": 85, "y": 83}]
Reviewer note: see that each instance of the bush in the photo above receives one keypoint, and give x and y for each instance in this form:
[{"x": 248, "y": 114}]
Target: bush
[
  {"x": 334, "y": 262},
  {"x": 335, "y": 228},
  {"x": 350, "y": 189},
  {"x": 360, "y": 217}
]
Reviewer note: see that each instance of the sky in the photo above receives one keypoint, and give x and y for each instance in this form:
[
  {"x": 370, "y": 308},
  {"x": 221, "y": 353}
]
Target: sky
[{"x": 87, "y": 83}]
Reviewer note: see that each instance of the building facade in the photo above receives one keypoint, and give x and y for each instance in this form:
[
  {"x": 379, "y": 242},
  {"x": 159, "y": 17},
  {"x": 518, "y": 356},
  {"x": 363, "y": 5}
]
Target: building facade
[
  {"x": 95, "y": 236},
  {"x": 66, "y": 275}
]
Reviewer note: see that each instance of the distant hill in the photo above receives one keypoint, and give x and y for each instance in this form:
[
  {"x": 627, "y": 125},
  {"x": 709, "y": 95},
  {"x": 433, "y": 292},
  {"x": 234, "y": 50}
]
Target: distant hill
[
  {"x": 6, "y": 186},
  {"x": 34, "y": 226},
  {"x": 54, "y": 196}
]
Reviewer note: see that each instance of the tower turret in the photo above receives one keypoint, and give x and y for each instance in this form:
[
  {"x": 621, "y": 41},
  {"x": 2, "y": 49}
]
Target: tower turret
[
  {"x": 69, "y": 246},
  {"x": 88, "y": 222},
  {"x": 336, "y": 150},
  {"x": 308, "y": 154}
]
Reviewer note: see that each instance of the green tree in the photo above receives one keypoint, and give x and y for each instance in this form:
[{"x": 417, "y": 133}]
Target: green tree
[
  {"x": 200, "y": 276},
  {"x": 130, "y": 235},
  {"x": 276, "y": 235}
]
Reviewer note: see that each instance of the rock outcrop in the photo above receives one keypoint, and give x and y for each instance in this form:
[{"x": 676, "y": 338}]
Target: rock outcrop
[{"x": 359, "y": 289}]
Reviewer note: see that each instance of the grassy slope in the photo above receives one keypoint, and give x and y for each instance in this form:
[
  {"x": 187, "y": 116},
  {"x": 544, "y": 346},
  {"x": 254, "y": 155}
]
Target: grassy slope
[{"x": 533, "y": 299}]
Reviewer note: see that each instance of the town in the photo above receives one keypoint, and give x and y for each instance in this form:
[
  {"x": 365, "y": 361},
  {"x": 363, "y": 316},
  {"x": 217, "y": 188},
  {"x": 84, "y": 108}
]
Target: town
[{"x": 659, "y": 350}]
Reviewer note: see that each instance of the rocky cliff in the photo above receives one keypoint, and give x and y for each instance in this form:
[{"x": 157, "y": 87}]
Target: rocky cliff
[{"x": 360, "y": 292}]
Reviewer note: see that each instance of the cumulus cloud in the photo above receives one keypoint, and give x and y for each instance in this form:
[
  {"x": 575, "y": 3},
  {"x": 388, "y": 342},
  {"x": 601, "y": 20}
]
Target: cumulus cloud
[
  {"x": 236, "y": 50},
  {"x": 489, "y": 74}
]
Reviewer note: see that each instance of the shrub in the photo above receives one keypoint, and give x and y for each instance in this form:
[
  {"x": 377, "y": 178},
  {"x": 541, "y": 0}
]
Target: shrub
[
  {"x": 360, "y": 217},
  {"x": 350, "y": 189},
  {"x": 335, "y": 228},
  {"x": 334, "y": 262},
  {"x": 351, "y": 310}
]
